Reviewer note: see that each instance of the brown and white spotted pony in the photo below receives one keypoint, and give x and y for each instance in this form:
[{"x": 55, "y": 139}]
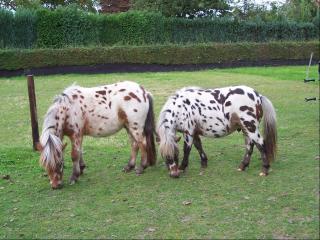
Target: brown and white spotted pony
[
  {"x": 216, "y": 113},
  {"x": 98, "y": 112}
]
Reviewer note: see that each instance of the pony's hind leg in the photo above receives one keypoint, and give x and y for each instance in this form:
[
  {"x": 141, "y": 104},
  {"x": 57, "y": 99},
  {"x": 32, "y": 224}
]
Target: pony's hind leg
[
  {"x": 197, "y": 143},
  {"x": 257, "y": 139},
  {"x": 265, "y": 161},
  {"x": 138, "y": 142},
  {"x": 187, "y": 145},
  {"x": 82, "y": 163},
  {"x": 133, "y": 156},
  {"x": 247, "y": 156}
]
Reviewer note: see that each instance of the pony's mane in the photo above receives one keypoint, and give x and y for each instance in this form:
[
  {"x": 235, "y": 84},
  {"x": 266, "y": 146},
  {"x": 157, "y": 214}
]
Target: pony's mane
[
  {"x": 51, "y": 144},
  {"x": 51, "y": 154},
  {"x": 167, "y": 145}
]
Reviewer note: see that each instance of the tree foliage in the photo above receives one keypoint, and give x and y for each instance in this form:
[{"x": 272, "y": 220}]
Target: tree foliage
[
  {"x": 294, "y": 10},
  {"x": 87, "y": 5},
  {"x": 183, "y": 8}
]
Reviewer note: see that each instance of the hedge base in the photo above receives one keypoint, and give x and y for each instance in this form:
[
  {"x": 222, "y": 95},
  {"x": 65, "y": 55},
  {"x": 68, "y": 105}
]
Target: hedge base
[{"x": 127, "y": 68}]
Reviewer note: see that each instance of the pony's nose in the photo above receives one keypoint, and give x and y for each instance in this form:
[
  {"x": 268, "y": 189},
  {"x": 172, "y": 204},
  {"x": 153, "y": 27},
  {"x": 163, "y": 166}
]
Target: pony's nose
[
  {"x": 57, "y": 186},
  {"x": 174, "y": 174}
]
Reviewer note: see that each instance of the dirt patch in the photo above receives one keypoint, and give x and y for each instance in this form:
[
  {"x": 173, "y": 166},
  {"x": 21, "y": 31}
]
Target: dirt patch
[{"x": 123, "y": 67}]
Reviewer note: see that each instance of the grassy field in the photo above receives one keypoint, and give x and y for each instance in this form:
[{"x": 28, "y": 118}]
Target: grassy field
[{"x": 107, "y": 203}]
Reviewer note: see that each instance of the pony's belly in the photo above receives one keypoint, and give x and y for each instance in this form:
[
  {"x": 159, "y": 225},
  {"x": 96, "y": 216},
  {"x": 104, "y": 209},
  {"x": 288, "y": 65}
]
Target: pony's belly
[
  {"x": 215, "y": 134},
  {"x": 103, "y": 128},
  {"x": 214, "y": 129}
]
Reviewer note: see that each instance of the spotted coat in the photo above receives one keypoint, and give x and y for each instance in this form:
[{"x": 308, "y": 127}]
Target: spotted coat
[
  {"x": 211, "y": 113},
  {"x": 98, "y": 112}
]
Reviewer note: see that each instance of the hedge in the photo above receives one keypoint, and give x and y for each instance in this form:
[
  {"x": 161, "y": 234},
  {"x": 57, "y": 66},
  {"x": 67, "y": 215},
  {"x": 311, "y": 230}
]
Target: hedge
[
  {"x": 69, "y": 27},
  {"x": 160, "y": 54},
  {"x": 19, "y": 29}
]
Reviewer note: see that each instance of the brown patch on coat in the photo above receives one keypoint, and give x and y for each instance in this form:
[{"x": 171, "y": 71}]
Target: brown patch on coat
[
  {"x": 250, "y": 126},
  {"x": 143, "y": 93},
  {"x": 86, "y": 127},
  {"x": 135, "y": 110},
  {"x": 228, "y": 104},
  {"x": 127, "y": 98},
  {"x": 252, "y": 114},
  {"x": 251, "y": 96},
  {"x": 131, "y": 94},
  {"x": 122, "y": 116},
  {"x": 245, "y": 108},
  {"x": 235, "y": 123},
  {"x": 197, "y": 131},
  {"x": 259, "y": 111},
  {"x": 101, "y": 92},
  {"x": 122, "y": 90},
  {"x": 74, "y": 96}
]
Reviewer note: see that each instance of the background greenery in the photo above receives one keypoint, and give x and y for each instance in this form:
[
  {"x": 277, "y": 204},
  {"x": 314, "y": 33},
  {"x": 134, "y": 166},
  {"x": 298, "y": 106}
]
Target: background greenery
[
  {"x": 107, "y": 203},
  {"x": 65, "y": 27},
  {"x": 13, "y": 59}
]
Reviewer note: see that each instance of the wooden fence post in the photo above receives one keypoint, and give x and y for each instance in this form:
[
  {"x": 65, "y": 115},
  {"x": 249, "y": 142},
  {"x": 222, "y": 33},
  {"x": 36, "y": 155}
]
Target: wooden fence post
[{"x": 33, "y": 111}]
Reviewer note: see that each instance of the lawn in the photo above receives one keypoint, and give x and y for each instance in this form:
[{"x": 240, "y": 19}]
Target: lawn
[{"x": 107, "y": 203}]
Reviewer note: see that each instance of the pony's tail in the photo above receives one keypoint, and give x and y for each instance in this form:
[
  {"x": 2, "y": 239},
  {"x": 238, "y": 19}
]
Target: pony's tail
[
  {"x": 168, "y": 146},
  {"x": 149, "y": 129},
  {"x": 270, "y": 128}
]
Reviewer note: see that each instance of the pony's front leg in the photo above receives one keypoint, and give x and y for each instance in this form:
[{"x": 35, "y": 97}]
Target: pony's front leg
[
  {"x": 197, "y": 143},
  {"x": 188, "y": 141},
  {"x": 75, "y": 156}
]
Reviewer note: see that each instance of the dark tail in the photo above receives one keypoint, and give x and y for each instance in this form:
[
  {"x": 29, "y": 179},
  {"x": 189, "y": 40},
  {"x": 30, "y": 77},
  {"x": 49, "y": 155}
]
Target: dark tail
[
  {"x": 270, "y": 128},
  {"x": 149, "y": 130}
]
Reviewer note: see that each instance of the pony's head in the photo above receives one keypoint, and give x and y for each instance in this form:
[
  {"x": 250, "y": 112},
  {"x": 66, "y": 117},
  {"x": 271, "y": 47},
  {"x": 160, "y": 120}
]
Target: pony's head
[
  {"x": 173, "y": 167},
  {"x": 170, "y": 154},
  {"x": 51, "y": 158}
]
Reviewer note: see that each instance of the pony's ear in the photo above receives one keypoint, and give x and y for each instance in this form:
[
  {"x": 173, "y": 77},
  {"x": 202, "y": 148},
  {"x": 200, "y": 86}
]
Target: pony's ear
[
  {"x": 177, "y": 139},
  {"x": 39, "y": 147},
  {"x": 64, "y": 146}
]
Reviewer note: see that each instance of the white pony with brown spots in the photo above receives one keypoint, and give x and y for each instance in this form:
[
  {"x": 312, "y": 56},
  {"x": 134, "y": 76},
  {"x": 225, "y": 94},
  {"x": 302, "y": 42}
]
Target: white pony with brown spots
[
  {"x": 98, "y": 112},
  {"x": 216, "y": 113}
]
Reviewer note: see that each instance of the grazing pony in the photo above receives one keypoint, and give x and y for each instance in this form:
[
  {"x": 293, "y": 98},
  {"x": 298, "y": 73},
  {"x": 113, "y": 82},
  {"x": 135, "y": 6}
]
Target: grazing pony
[
  {"x": 98, "y": 112},
  {"x": 216, "y": 113}
]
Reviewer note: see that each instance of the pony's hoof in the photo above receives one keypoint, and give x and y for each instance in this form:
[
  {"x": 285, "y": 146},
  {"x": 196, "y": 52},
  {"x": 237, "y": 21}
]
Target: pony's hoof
[
  {"x": 82, "y": 169},
  {"x": 240, "y": 170},
  {"x": 262, "y": 174},
  {"x": 174, "y": 175},
  {"x": 72, "y": 181},
  {"x": 182, "y": 168},
  {"x": 59, "y": 186},
  {"x": 127, "y": 168},
  {"x": 139, "y": 171}
]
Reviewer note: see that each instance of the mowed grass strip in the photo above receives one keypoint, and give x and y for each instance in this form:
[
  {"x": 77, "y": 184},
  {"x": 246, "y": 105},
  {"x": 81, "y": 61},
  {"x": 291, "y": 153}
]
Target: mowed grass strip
[{"x": 107, "y": 203}]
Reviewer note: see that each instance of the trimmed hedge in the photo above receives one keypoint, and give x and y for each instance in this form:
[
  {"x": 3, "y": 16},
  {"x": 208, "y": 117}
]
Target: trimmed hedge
[
  {"x": 161, "y": 54},
  {"x": 19, "y": 29},
  {"x": 66, "y": 27},
  {"x": 69, "y": 27}
]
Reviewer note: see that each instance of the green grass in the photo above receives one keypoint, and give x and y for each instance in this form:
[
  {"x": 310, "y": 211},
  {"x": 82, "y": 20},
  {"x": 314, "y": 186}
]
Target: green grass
[{"x": 107, "y": 203}]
